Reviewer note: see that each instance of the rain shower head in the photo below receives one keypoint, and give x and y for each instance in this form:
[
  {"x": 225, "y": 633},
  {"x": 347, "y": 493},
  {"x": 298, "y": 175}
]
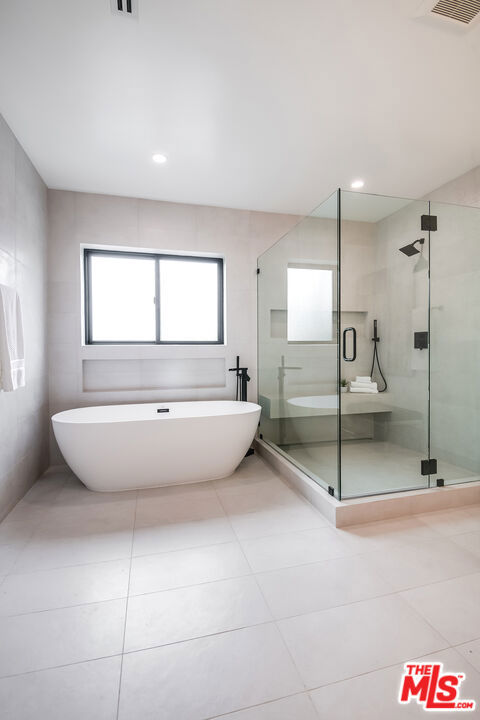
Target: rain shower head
[{"x": 411, "y": 249}]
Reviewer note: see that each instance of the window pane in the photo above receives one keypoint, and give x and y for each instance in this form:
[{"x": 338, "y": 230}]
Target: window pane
[
  {"x": 123, "y": 293},
  {"x": 310, "y": 305},
  {"x": 188, "y": 301}
]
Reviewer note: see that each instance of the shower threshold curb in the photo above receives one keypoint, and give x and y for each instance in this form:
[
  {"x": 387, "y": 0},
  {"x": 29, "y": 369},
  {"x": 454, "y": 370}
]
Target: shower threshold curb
[{"x": 375, "y": 507}]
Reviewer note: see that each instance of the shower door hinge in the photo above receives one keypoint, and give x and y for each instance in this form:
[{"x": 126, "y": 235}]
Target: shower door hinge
[
  {"x": 331, "y": 490},
  {"x": 258, "y": 271},
  {"x": 429, "y": 223},
  {"x": 429, "y": 467}
]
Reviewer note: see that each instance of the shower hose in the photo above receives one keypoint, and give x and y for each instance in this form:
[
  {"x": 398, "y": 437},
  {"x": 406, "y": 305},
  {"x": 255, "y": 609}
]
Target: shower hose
[{"x": 376, "y": 340}]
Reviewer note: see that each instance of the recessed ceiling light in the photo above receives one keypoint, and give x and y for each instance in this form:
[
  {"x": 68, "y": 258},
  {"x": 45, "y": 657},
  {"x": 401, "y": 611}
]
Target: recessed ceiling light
[
  {"x": 159, "y": 158},
  {"x": 357, "y": 184}
]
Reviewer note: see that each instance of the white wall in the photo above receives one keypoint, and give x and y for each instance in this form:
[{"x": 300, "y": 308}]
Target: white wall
[
  {"x": 463, "y": 190},
  {"x": 23, "y": 264},
  {"x": 78, "y": 218}
]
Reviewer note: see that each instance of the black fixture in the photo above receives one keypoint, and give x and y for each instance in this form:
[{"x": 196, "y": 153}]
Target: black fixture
[
  {"x": 429, "y": 467},
  {"x": 420, "y": 340},
  {"x": 354, "y": 350},
  {"x": 128, "y": 6},
  {"x": 163, "y": 410},
  {"x": 411, "y": 249},
  {"x": 440, "y": 482},
  {"x": 429, "y": 223},
  {"x": 242, "y": 379},
  {"x": 375, "y": 340}
]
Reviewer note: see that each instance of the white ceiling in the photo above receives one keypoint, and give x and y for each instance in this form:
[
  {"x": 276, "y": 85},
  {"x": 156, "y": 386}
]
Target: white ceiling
[{"x": 261, "y": 104}]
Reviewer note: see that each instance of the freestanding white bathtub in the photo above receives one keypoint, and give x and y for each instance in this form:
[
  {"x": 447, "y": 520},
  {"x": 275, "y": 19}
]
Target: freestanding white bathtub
[{"x": 122, "y": 447}]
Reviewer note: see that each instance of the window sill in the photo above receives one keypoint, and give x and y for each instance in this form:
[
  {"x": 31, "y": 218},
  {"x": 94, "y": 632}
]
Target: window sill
[{"x": 129, "y": 352}]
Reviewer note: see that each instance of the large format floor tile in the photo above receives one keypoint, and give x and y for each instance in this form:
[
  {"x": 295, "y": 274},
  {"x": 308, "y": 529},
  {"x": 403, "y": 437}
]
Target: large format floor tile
[
  {"x": 210, "y": 676},
  {"x": 335, "y": 644},
  {"x": 17, "y": 533},
  {"x": 374, "y": 696},
  {"x": 74, "y": 692},
  {"x": 383, "y": 534},
  {"x": 75, "y": 495},
  {"x": 470, "y": 541},
  {"x": 168, "y": 505},
  {"x": 267, "y": 495},
  {"x": 296, "y": 548},
  {"x": 88, "y": 542},
  {"x": 8, "y": 556},
  {"x": 59, "y": 637},
  {"x": 102, "y": 514},
  {"x": 453, "y": 521},
  {"x": 295, "y": 516},
  {"x": 424, "y": 562},
  {"x": 48, "y": 589},
  {"x": 40, "y": 498},
  {"x": 471, "y": 651},
  {"x": 166, "y": 571},
  {"x": 251, "y": 475},
  {"x": 186, "y": 613},
  {"x": 452, "y": 607},
  {"x": 320, "y": 585},
  {"x": 169, "y": 536}
]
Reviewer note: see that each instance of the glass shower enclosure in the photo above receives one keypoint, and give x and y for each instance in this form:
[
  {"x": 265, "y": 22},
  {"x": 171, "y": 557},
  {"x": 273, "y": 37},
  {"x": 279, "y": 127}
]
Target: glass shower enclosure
[{"x": 376, "y": 287}]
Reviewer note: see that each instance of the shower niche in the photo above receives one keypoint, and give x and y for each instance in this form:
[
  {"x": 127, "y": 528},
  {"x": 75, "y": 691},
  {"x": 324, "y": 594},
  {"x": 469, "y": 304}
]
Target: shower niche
[{"x": 354, "y": 260}]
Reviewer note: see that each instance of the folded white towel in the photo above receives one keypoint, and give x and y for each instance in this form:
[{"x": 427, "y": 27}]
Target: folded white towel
[
  {"x": 363, "y": 379},
  {"x": 12, "y": 355},
  {"x": 366, "y": 390},
  {"x": 371, "y": 385}
]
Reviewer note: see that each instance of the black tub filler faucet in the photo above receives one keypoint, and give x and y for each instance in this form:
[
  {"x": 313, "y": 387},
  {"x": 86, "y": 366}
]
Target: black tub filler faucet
[{"x": 242, "y": 379}]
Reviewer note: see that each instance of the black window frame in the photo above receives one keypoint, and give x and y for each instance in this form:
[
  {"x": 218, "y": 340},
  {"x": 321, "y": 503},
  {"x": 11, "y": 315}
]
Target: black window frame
[{"x": 88, "y": 253}]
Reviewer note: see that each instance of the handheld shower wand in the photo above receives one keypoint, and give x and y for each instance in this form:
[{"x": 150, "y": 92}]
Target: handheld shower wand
[{"x": 376, "y": 340}]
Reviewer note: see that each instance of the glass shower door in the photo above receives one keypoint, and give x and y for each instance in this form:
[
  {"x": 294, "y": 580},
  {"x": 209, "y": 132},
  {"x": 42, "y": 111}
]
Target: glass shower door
[
  {"x": 384, "y": 278},
  {"x": 298, "y": 345},
  {"x": 455, "y": 343}
]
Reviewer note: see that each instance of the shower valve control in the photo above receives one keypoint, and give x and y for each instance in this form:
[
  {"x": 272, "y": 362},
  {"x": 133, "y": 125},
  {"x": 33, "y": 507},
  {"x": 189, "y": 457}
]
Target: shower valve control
[{"x": 420, "y": 340}]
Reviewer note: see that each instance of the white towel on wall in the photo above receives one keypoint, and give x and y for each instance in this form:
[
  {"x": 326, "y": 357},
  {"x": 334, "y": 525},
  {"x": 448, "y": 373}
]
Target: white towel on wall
[{"x": 12, "y": 355}]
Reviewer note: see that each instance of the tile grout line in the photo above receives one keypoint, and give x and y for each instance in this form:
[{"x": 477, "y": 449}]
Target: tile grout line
[
  {"x": 240, "y": 577},
  {"x": 353, "y": 553},
  {"x": 59, "y": 667},
  {"x": 126, "y": 607},
  {"x": 267, "y": 702},
  {"x": 224, "y": 632}
]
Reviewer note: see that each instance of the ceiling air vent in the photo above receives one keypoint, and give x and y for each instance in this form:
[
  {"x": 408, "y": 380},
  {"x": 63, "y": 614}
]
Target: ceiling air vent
[
  {"x": 128, "y": 8},
  {"x": 463, "y": 11}
]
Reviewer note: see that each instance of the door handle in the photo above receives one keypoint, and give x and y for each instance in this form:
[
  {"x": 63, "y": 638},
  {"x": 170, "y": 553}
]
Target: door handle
[{"x": 354, "y": 337}]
